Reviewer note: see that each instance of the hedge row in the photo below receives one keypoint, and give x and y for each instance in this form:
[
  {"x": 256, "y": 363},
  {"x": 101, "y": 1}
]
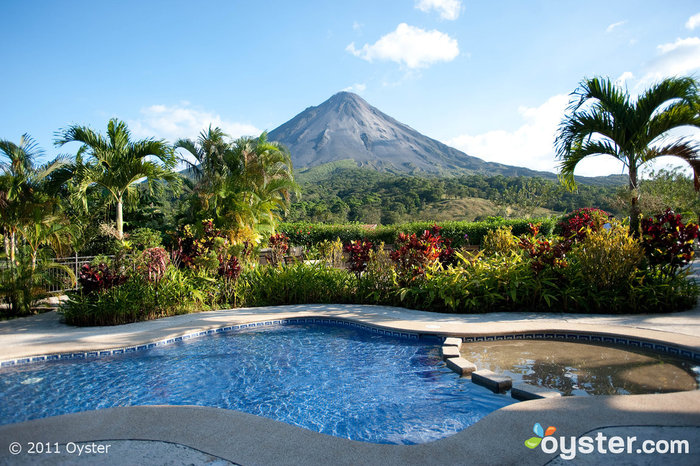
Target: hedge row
[{"x": 461, "y": 233}]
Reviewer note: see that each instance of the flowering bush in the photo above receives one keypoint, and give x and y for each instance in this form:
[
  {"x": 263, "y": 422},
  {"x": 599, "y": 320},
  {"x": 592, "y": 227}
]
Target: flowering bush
[
  {"x": 576, "y": 224},
  {"x": 545, "y": 253},
  {"x": 96, "y": 278},
  {"x": 358, "y": 252},
  {"x": 279, "y": 244},
  {"x": 668, "y": 242}
]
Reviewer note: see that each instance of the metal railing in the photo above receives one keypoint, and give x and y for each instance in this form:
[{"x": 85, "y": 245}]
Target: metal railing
[{"x": 74, "y": 263}]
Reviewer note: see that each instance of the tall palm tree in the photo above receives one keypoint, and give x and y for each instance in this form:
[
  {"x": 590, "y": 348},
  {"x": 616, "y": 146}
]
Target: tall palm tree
[
  {"x": 603, "y": 120},
  {"x": 24, "y": 187},
  {"x": 116, "y": 164}
]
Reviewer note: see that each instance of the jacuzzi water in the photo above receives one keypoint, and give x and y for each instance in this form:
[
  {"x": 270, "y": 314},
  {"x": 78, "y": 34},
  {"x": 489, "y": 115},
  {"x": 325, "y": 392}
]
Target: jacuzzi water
[{"x": 336, "y": 380}]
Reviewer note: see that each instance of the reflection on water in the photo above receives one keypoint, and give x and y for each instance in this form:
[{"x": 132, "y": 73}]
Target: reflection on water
[{"x": 584, "y": 369}]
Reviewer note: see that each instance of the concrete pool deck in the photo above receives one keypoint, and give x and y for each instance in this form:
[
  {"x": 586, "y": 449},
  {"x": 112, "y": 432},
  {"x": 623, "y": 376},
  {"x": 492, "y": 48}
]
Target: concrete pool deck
[{"x": 220, "y": 436}]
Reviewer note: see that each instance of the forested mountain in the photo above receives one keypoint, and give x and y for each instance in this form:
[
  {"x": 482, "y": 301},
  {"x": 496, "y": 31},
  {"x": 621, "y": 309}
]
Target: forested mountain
[{"x": 342, "y": 192}]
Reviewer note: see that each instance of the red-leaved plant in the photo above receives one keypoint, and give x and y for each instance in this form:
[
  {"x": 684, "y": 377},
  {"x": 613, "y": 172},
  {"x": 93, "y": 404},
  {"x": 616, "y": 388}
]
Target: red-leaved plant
[
  {"x": 668, "y": 242},
  {"x": 358, "y": 255},
  {"x": 543, "y": 252},
  {"x": 575, "y": 224},
  {"x": 414, "y": 254},
  {"x": 154, "y": 263},
  {"x": 98, "y": 278},
  {"x": 279, "y": 244}
]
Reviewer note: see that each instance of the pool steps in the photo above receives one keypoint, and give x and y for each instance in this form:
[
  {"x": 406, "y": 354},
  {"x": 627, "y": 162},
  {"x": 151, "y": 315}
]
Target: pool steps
[
  {"x": 461, "y": 366},
  {"x": 526, "y": 391},
  {"x": 498, "y": 383}
]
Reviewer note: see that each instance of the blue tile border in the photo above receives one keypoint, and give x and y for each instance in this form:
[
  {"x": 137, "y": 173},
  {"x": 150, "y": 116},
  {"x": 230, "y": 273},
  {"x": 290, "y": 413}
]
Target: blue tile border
[{"x": 589, "y": 337}]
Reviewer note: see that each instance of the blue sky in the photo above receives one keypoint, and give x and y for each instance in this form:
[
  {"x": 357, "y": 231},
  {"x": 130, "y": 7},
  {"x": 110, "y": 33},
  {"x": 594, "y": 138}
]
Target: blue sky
[{"x": 490, "y": 78}]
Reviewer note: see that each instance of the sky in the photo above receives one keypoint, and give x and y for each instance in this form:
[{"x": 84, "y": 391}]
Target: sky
[{"x": 490, "y": 78}]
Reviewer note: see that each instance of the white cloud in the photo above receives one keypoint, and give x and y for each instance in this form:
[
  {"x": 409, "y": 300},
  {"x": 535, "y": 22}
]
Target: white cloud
[
  {"x": 448, "y": 9},
  {"x": 693, "y": 22},
  {"x": 409, "y": 46},
  {"x": 677, "y": 58},
  {"x": 624, "y": 77},
  {"x": 182, "y": 121},
  {"x": 532, "y": 144},
  {"x": 356, "y": 26},
  {"x": 615, "y": 25},
  {"x": 357, "y": 88}
]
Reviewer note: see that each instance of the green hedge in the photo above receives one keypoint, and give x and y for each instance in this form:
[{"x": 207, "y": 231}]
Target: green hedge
[{"x": 308, "y": 234}]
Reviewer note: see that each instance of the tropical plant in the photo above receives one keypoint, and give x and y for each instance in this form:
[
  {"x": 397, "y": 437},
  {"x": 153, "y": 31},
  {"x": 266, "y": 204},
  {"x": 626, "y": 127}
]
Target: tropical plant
[
  {"x": 579, "y": 222},
  {"x": 358, "y": 256},
  {"x": 668, "y": 242},
  {"x": 27, "y": 279},
  {"x": 116, "y": 164},
  {"x": 604, "y": 120},
  {"x": 607, "y": 259},
  {"x": 500, "y": 241},
  {"x": 25, "y": 188}
]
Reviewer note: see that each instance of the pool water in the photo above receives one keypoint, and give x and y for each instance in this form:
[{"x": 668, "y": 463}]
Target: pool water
[
  {"x": 335, "y": 380},
  {"x": 584, "y": 369}
]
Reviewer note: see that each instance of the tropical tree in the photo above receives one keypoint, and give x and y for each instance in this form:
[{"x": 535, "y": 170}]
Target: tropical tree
[
  {"x": 603, "y": 119},
  {"x": 243, "y": 185},
  {"x": 116, "y": 164},
  {"x": 24, "y": 187},
  {"x": 208, "y": 168},
  {"x": 258, "y": 185}
]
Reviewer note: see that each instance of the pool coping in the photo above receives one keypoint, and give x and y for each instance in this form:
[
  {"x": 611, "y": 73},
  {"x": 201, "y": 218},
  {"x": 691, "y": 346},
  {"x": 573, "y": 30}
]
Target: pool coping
[{"x": 253, "y": 440}]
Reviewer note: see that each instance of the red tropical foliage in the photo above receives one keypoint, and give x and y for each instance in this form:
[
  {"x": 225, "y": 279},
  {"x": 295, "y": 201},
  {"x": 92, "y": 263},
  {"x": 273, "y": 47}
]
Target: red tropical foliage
[
  {"x": 668, "y": 242},
  {"x": 358, "y": 252}
]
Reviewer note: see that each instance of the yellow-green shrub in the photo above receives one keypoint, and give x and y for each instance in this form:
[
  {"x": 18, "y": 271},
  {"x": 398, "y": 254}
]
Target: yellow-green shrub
[
  {"x": 500, "y": 241},
  {"x": 607, "y": 259}
]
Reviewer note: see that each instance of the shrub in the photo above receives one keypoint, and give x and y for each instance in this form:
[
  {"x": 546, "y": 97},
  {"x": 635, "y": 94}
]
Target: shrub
[
  {"x": 378, "y": 284},
  {"x": 100, "y": 277},
  {"x": 668, "y": 242},
  {"x": 358, "y": 255},
  {"x": 545, "y": 253},
  {"x": 279, "y": 244},
  {"x": 415, "y": 254},
  {"x": 501, "y": 241},
  {"x": 298, "y": 283},
  {"x": 459, "y": 233},
  {"x": 608, "y": 259},
  {"x": 331, "y": 252},
  {"x": 145, "y": 238},
  {"x": 577, "y": 223},
  {"x": 153, "y": 264}
]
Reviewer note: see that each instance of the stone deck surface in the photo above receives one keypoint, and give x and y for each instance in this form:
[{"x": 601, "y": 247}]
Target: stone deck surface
[{"x": 223, "y": 436}]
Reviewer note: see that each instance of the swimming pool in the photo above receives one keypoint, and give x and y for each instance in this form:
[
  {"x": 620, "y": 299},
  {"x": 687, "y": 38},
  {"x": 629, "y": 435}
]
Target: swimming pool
[{"x": 331, "y": 379}]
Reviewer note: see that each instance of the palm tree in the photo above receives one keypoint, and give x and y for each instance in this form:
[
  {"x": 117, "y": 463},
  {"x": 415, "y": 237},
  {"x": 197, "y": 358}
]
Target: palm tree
[
  {"x": 208, "y": 169},
  {"x": 603, "y": 120},
  {"x": 24, "y": 187},
  {"x": 116, "y": 164},
  {"x": 259, "y": 183}
]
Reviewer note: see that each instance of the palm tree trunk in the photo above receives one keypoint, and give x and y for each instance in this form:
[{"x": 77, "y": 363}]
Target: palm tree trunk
[
  {"x": 635, "y": 211},
  {"x": 13, "y": 245},
  {"x": 120, "y": 220}
]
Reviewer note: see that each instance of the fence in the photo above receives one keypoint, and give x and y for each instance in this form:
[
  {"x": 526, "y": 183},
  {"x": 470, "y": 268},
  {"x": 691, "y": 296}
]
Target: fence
[{"x": 74, "y": 263}]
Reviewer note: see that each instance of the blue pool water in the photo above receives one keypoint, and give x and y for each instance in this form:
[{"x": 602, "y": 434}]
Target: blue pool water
[{"x": 331, "y": 379}]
